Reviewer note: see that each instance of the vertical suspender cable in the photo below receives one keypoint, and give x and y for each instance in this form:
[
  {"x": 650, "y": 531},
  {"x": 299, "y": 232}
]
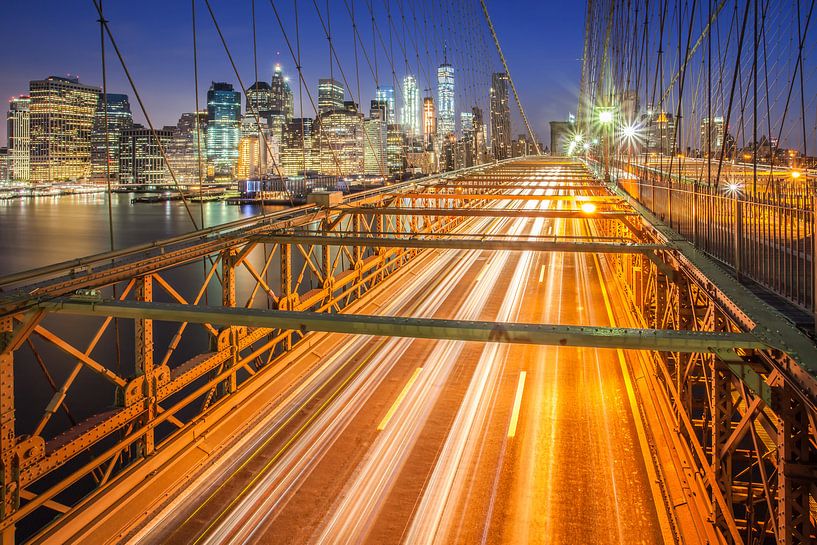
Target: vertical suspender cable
[{"x": 510, "y": 79}]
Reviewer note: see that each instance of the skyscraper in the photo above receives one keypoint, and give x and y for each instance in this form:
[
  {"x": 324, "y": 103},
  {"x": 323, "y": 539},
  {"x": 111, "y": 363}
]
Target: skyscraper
[
  {"x": 282, "y": 99},
  {"x": 62, "y": 114},
  {"x": 429, "y": 122},
  {"x": 189, "y": 136},
  {"x": 330, "y": 95},
  {"x": 18, "y": 124},
  {"x": 467, "y": 122},
  {"x": 410, "y": 117},
  {"x": 341, "y": 140},
  {"x": 299, "y": 151},
  {"x": 260, "y": 99},
  {"x": 445, "y": 98},
  {"x": 712, "y": 135},
  {"x": 660, "y": 132},
  {"x": 500, "y": 116},
  {"x": 223, "y": 118},
  {"x": 140, "y": 157},
  {"x": 376, "y": 135},
  {"x": 385, "y": 93},
  {"x": 105, "y": 143}
]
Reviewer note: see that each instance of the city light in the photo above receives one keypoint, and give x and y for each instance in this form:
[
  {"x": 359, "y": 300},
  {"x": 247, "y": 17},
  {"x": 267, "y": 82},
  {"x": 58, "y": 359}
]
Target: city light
[
  {"x": 588, "y": 207},
  {"x": 795, "y": 174},
  {"x": 606, "y": 116},
  {"x": 629, "y": 131},
  {"x": 733, "y": 188}
]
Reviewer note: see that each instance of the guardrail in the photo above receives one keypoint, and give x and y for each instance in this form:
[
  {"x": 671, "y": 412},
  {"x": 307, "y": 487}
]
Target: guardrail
[{"x": 767, "y": 238}]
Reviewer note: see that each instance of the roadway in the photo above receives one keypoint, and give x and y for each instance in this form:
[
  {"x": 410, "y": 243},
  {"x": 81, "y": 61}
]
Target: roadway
[{"x": 390, "y": 440}]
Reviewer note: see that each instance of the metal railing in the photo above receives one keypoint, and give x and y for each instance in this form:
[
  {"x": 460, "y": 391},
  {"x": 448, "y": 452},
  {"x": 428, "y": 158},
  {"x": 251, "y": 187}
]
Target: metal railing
[{"x": 768, "y": 238}]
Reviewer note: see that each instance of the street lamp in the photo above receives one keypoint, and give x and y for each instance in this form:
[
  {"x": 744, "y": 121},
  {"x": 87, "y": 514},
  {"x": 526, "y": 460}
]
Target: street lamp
[{"x": 606, "y": 117}]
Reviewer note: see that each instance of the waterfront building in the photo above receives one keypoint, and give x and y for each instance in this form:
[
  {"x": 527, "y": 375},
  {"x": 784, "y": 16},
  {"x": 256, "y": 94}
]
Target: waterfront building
[
  {"x": 410, "y": 115},
  {"x": 61, "y": 117},
  {"x": 186, "y": 151},
  {"x": 5, "y": 165},
  {"x": 140, "y": 157},
  {"x": 105, "y": 141},
  {"x": 445, "y": 99},
  {"x": 341, "y": 133},
  {"x": 500, "y": 116},
  {"x": 223, "y": 118},
  {"x": 385, "y": 93},
  {"x": 18, "y": 125},
  {"x": 330, "y": 95},
  {"x": 258, "y": 148},
  {"x": 299, "y": 149}
]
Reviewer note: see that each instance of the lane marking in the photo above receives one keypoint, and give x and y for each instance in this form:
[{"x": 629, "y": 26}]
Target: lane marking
[
  {"x": 641, "y": 432},
  {"x": 517, "y": 404},
  {"x": 542, "y": 274},
  {"x": 396, "y": 404}
]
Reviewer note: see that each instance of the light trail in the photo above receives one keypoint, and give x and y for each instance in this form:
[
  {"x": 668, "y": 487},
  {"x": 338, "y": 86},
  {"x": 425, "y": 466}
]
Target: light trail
[
  {"x": 471, "y": 484},
  {"x": 517, "y": 404}
]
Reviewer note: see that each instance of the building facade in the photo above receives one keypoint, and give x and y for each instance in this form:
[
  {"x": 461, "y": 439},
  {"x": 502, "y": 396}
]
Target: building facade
[
  {"x": 341, "y": 137},
  {"x": 61, "y": 117},
  {"x": 712, "y": 136},
  {"x": 330, "y": 95},
  {"x": 410, "y": 115},
  {"x": 18, "y": 125},
  {"x": 374, "y": 147},
  {"x": 429, "y": 123},
  {"x": 282, "y": 98},
  {"x": 299, "y": 149},
  {"x": 500, "y": 116},
  {"x": 445, "y": 99},
  {"x": 660, "y": 132},
  {"x": 140, "y": 157},
  {"x": 105, "y": 136},
  {"x": 385, "y": 93},
  {"x": 223, "y": 133},
  {"x": 186, "y": 151},
  {"x": 259, "y": 100},
  {"x": 560, "y": 134}
]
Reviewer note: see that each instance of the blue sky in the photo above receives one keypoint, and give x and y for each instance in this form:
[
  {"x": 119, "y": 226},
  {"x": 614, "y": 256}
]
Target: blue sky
[{"x": 542, "y": 41}]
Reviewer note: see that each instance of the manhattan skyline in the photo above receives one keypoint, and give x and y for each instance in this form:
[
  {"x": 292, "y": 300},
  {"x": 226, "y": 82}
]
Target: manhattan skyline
[{"x": 158, "y": 52}]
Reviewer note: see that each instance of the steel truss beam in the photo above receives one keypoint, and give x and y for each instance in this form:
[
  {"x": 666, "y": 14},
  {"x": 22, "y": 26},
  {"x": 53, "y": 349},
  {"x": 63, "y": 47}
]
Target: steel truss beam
[
  {"x": 503, "y": 197},
  {"x": 422, "y": 328},
  {"x": 553, "y": 244},
  {"x": 487, "y": 212}
]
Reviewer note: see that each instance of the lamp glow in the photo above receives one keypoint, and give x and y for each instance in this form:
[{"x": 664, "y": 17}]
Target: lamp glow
[
  {"x": 606, "y": 117},
  {"x": 588, "y": 207},
  {"x": 795, "y": 174}
]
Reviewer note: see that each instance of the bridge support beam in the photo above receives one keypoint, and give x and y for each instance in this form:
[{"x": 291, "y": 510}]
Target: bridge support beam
[
  {"x": 9, "y": 471},
  {"x": 143, "y": 334},
  {"x": 796, "y": 473}
]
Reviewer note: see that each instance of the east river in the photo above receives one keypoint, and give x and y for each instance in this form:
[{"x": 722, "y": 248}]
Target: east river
[{"x": 37, "y": 231}]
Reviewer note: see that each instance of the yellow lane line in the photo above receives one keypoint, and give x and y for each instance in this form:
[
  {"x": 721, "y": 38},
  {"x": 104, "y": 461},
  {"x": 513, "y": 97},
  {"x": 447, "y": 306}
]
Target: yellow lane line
[
  {"x": 517, "y": 404},
  {"x": 542, "y": 274},
  {"x": 399, "y": 400},
  {"x": 641, "y": 432}
]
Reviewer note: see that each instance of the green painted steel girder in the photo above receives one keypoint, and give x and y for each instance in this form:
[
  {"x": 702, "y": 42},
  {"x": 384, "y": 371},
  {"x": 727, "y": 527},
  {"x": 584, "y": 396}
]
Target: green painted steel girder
[
  {"x": 472, "y": 243},
  {"x": 420, "y": 328}
]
